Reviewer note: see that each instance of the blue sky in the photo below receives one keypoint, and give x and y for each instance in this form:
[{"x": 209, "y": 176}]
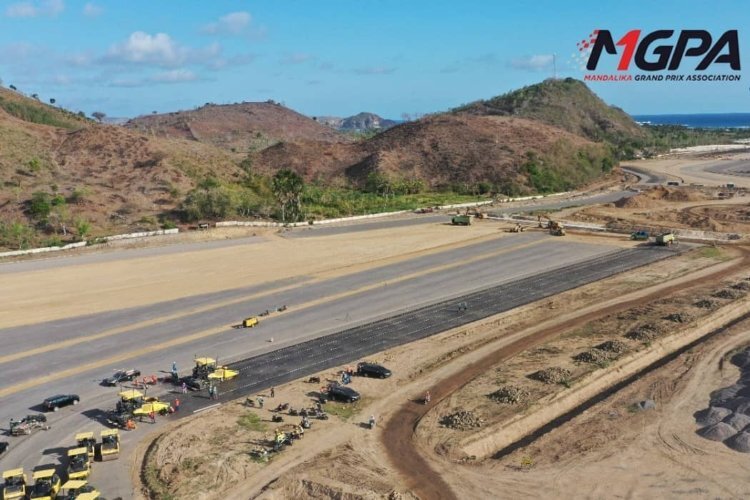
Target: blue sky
[{"x": 337, "y": 57}]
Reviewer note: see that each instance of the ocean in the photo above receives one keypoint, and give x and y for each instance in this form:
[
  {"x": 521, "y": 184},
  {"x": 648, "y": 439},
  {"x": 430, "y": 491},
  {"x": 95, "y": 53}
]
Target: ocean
[{"x": 700, "y": 120}]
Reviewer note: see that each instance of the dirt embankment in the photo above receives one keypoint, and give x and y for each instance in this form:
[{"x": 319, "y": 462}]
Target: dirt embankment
[{"x": 400, "y": 431}]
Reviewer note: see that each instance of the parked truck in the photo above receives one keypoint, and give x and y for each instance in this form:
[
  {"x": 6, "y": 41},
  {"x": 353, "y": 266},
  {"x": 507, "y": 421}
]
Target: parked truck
[
  {"x": 461, "y": 220},
  {"x": 665, "y": 239}
]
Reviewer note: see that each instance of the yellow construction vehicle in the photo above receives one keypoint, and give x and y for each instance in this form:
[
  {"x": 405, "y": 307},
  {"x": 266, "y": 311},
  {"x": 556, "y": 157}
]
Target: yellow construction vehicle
[
  {"x": 14, "y": 484},
  {"x": 110, "y": 447},
  {"x": 207, "y": 369},
  {"x": 79, "y": 466},
  {"x": 139, "y": 405},
  {"x": 250, "y": 322},
  {"x": 88, "y": 441},
  {"x": 46, "y": 485},
  {"x": 79, "y": 489},
  {"x": 555, "y": 228}
]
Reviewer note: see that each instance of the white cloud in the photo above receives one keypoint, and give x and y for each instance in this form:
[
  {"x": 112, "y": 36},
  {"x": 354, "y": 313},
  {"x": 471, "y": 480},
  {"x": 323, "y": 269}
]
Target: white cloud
[
  {"x": 160, "y": 50},
  {"x": 174, "y": 76},
  {"x": 231, "y": 24},
  {"x": 92, "y": 10},
  {"x": 533, "y": 63},
  {"x": 35, "y": 8},
  {"x": 297, "y": 58},
  {"x": 375, "y": 70}
]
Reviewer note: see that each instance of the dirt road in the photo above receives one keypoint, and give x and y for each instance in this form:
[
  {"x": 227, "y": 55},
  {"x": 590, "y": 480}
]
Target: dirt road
[{"x": 415, "y": 468}]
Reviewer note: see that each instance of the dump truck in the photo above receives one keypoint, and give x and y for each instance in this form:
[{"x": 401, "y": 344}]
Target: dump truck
[
  {"x": 665, "y": 239},
  {"x": 14, "y": 484},
  {"x": 79, "y": 489},
  {"x": 639, "y": 236},
  {"x": 46, "y": 485},
  {"x": 110, "y": 447},
  {"x": 79, "y": 465},
  {"x": 461, "y": 220},
  {"x": 88, "y": 441}
]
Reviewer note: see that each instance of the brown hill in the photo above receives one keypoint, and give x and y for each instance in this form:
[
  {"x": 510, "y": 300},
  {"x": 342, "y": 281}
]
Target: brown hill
[
  {"x": 248, "y": 126},
  {"x": 568, "y": 104},
  {"x": 450, "y": 150},
  {"x": 114, "y": 178}
]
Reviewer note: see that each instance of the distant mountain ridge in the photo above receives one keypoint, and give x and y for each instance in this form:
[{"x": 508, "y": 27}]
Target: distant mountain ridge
[{"x": 360, "y": 122}]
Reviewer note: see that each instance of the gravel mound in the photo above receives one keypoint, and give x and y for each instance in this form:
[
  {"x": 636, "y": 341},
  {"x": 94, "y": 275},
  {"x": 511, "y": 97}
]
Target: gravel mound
[
  {"x": 461, "y": 421},
  {"x": 552, "y": 375},
  {"x": 738, "y": 420},
  {"x": 728, "y": 293},
  {"x": 614, "y": 346},
  {"x": 706, "y": 304},
  {"x": 717, "y": 432},
  {"x": 594, "y": 356},
  {"x": 646, "y": 404},
  {"x": 740, "y": 442},
  {"x": 742, "y": 285},
  {"x": 741, "y": 359},
  {"x": 509, "y": 394},
  {"x": 644, "y": 333},
  {"x": 712, "y": 415},
  {"x": 680, "y": 317}
]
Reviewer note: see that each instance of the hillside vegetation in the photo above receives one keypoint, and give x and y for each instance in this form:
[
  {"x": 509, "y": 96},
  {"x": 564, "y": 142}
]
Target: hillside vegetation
[
  {"x": 567, "y": 104},
  {"x": 66, "y": 177}
]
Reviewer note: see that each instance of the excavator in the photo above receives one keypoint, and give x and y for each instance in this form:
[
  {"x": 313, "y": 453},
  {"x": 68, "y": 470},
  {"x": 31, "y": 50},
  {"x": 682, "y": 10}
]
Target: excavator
[{"x": 555, "y": 228}]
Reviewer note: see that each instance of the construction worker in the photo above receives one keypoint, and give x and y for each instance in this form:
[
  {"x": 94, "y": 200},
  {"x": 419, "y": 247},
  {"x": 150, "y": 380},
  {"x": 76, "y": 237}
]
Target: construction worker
[
  {"x": 176, "y": 404},
  {"x": 427, "y": 397},
  {"x": 260, "y": 401},
  {"x": 371, "y": 422},
  {"x": 273, "y": 392},
  {"x": 152, "y": 416},
  {"x": 184, "y": 388}
]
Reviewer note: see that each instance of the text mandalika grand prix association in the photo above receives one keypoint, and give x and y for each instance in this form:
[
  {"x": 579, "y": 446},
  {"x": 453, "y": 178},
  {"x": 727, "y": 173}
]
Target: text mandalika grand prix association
[{"x": 694, "y": 77}]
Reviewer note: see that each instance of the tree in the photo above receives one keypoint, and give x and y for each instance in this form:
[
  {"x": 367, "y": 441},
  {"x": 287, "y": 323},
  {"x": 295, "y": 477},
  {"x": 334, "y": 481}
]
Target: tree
[
  {"x": 98, "y": 115},
  {"x": 58, "y": 216},
  {"x": 287, "y": 187},
  {"x": 83, "y": 227},
  {"x": 13, "y": 87},
  {"x": 52, "y": 100},
  {"x": 40, "y": 207},
  {"x": 19, "y": 235},
  {"x": 35, "y": 96}
]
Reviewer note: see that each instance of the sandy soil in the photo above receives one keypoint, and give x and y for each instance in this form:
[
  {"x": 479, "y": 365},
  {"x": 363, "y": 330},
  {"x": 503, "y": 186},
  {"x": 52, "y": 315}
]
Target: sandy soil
[
  {"x": 672, "y": 208},
  {"x": 118, "y": 284},
  {"x": 339, "y": 457},
  {"x": 690, "y": 167}
]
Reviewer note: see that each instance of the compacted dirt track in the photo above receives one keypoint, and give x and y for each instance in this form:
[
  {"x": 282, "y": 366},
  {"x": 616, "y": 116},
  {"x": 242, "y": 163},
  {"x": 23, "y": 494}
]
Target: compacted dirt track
[{"x": 398, "y": 434}]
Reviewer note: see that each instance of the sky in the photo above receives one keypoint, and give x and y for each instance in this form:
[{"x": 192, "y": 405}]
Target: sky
[{"x": 340, "y": 57}]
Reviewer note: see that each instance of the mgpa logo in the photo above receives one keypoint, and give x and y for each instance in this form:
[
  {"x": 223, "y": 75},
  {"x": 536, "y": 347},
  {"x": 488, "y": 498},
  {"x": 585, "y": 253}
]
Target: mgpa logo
[{"x": 662, "y": 50}]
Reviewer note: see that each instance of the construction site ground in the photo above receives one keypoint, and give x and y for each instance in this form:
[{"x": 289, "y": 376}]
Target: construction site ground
[
  {"x": 340, "y": 457},
  {"x": 412, "y": 453}
]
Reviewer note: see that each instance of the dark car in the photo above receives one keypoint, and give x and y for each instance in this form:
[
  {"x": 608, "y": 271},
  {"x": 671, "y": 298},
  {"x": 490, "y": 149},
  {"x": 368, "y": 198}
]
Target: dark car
[
  {"x": 121, "y": 376},
  {"x": 3, "y": 447},
  {"x": 338, "y": 392},
  {"x": 372, "y": 370},
  {"x": 56, "y": 402}
]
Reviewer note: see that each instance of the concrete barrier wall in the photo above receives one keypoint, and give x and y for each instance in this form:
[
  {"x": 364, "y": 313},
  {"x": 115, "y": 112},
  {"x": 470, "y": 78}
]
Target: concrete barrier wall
[{"x": 33, "y": 251}]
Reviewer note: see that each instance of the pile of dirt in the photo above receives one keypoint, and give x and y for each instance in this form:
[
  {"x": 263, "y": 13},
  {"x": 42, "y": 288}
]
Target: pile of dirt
[
  {"x": 707, "y": 304},
  {"x": 728, "y": 293},
  {"x": 613, "y": 346},
  {"x": 637, "y": 201},
  {"x": 717, "y": 432},
  {"x": 594, "y": 356},
  {"x": 739, "y": 421},
  {"x": 732, "y": 405},
  {"x": 646, "y": 404},
  {"x": 461, "y": 420},
  {"x": 680, "y": 317},
  {"x": 552, "y": 375},
  {"x": 740, "y": 442},
  {"x": 645, "y": 333},
  {"x": 742, "y": 285},
  {"x": 509, "y": 394},
  {"x": 712, "y": 415}
]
